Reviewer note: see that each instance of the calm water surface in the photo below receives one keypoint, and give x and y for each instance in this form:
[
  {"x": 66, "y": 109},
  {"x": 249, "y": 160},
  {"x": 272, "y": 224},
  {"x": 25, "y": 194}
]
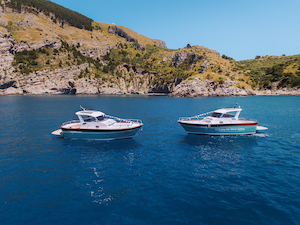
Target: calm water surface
[{"x": 161, "y": 176}]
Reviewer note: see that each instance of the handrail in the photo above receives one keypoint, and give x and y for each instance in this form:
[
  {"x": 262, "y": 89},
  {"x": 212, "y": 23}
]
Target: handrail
[
  {"x": 124, "y": 120},
  {"x": 195, "y": 117},
  {"x": 72, "y": 121},
  {"x": 190, "y": 118}
]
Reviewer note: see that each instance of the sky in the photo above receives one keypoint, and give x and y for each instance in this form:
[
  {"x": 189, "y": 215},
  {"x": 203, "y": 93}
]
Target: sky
[{"x": 240, "y": 29}]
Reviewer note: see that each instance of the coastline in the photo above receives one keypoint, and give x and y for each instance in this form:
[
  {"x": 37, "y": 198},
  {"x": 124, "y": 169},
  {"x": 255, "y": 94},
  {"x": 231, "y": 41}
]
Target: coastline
[
  {"x": 256, "y": 93},
  {"x": 65, "y": 82}
]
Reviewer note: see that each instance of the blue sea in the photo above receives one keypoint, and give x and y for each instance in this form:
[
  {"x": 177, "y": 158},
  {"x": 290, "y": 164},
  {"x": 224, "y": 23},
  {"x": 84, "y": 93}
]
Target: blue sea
[{"x": 161, "y": 176}]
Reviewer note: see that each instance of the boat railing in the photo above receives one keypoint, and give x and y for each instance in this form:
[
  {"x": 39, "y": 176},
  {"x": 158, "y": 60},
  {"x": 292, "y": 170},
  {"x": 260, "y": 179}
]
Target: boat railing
[
  {"x": 200, "y": 116},
  {"x": 255, "y": 120},
  {"x": 134, "y": 120},
  {"x": 69, "y": 122},
  {"x": 247, "y": 119},
  {"x": 124, "y": 120},
  {"x": 191, "y": 118}
]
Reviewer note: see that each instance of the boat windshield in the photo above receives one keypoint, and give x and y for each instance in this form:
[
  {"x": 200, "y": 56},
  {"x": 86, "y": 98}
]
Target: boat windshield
[
  {"x": 227, "y": 115},
  {"x": 222, "y": 115},
  {"x": 101, "y": 118},
  {"x": 217, "y": 115},
  {"x": 89, "y": 119}
]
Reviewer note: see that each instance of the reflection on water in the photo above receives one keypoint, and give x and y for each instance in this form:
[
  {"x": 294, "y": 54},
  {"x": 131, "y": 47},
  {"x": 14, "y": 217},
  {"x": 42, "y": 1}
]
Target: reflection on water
[
  {"x": 221, "y": 142},
  {"x": 98, "y": 145}
]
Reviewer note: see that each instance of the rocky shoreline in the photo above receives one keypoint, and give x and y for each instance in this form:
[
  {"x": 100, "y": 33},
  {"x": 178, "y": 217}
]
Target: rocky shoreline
[
  {"x": 257, "y": 93},
  {"x": 66, "y": 82}
]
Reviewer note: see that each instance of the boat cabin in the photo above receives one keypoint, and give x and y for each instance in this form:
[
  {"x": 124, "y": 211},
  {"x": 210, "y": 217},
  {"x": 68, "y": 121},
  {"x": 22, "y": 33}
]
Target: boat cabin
[
  {"x": 232, "y": 113},
  {"x": 90, "y": 116},
  {"x": 93, "y": 118}
]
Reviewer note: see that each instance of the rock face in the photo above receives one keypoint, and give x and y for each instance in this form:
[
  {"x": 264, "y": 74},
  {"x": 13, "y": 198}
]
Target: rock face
[
  {"x": 62, "y": 81},
  {"x": 8, "y": 85},
  {"x": 28, "y": 21},
  {"x": 3, "y": 22},
  {"x": 6, "y": 59},
  {"x": 198, "y": 88},
  {"x": 120, "y": 32},
  {"x": 19, "y": 47},
  {"x": 98, "y": 51},
  {"x": 162, "y": 89},
  {"x": 9, "y": 47},
  {"x": 6, "y": 44},
  {"x": 283, "y": 91},
  {"x": 182, "y": 56},
  {"x": 161, "y": 44}
]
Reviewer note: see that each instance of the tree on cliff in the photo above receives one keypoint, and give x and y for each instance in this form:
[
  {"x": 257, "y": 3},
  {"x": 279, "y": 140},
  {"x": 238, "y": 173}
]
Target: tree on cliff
[{"x": 62, "y": 14}]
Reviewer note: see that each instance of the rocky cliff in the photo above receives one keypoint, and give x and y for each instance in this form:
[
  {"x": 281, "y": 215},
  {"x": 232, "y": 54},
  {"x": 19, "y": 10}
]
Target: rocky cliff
[
  {"x": 17, "y": 37},
  {"x": 40, "y": 56},
  {"x": 198, "y": 88},
  {"x": 67, "y": 80}
]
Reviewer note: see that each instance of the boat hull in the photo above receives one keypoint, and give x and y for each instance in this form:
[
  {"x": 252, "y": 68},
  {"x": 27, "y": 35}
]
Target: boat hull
[
  {"x": 219, "y": 130},
  {"x": 100, "y": 134}
]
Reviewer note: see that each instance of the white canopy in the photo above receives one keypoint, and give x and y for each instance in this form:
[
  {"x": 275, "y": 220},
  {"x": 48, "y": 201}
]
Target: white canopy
[
  {"x": 228, "y": 110},
  {"x": 89, "y": 113}
]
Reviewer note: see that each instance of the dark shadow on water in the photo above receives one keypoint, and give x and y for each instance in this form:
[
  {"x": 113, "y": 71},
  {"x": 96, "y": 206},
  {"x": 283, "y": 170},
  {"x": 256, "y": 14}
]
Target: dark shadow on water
[
  {"x": 223, "y": 142},
  {"x": 99, "y": 145}
]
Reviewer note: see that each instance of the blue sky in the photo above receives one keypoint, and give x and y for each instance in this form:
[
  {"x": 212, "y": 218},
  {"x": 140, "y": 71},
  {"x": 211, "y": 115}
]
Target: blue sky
[{"x": 241, "y": 29}]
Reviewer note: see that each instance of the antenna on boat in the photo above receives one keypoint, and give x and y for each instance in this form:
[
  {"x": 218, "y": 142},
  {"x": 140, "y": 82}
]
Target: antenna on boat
[
  {"x": 83, "y": 109},
  {"x": 235, "y": 105}
]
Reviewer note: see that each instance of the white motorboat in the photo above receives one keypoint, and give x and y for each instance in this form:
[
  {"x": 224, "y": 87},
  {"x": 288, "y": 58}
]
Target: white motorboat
[
  {"x": 98, "y": 126},
  {"x": 220, "y": 122}
]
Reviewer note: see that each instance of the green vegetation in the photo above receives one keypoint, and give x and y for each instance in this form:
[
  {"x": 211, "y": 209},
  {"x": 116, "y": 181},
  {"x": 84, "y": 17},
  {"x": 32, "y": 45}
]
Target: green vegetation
[
  {"x": 186, "y": 65},
  {"x": 143, "y": 59},
  {"x": 115, "y": 58},
  {"x": 283, "y": 71},
  {"x": 26, "y": 62},
  {"x": 11, "y": 29},
  {"x": 56, "y": 12},
  {"x": 226, "y": 57}
]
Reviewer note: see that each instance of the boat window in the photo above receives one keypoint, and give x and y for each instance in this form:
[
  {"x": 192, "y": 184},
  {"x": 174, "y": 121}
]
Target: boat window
[
  {"x": 101, "y": 118},
  {"x": 89, "y": 119},
  {"x": 217, "y": 115},
  {"x": 228, "y": 115}
]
